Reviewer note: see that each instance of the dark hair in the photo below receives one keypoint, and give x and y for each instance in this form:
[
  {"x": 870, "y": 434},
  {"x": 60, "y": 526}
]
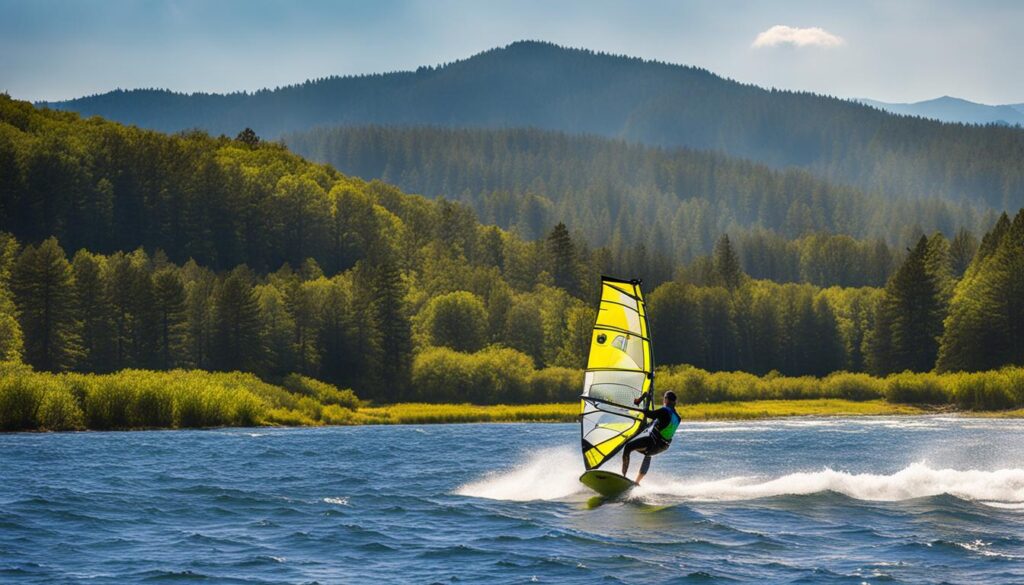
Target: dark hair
[{"x": 670, "y": 396}]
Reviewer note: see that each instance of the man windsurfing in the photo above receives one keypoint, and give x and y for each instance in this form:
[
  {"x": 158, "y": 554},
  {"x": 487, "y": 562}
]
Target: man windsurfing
[{"x": 656, "y": 438}]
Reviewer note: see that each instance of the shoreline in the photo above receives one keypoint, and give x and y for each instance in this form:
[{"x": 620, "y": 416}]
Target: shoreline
[{"x": 409, "y": 413}]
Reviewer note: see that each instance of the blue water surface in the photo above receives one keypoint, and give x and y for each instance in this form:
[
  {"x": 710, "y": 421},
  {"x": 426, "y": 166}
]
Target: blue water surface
[{"x": 819, "y": 500}]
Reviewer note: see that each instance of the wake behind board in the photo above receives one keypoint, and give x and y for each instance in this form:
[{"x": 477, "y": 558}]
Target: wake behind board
[{"x": 606, "y": 483}]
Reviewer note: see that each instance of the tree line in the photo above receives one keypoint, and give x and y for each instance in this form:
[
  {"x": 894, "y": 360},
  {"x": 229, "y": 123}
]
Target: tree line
[
  {"x": 674, "y": 202},
  {"x": 381, "y": 331}
]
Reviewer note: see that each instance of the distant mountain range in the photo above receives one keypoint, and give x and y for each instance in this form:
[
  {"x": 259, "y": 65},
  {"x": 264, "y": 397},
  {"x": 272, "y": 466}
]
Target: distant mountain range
[
  {"x": 951, "y": 109},
  {"x": 541, "y": 85}
]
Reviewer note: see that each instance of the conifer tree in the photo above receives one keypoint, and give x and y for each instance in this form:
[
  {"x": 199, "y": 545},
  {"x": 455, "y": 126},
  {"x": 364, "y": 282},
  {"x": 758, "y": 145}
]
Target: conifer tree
[
  {"x": 914, "y": 306},
  {"x": 561, "y": 251},
  {"x": 11, "y": 339},
  {"x": 985, "y": 326},
  {"x": 961, "y": 251},
  {"x": 388, "y": 309},
  {"x": 94, "y": 311},
  {"x": 44, "y": 289},
  {"x": 169, "y": 304},
  {"x": 727, "y": 264},
  {"x": 277, "y": 329},
  {"x": 236, "y": 324}
]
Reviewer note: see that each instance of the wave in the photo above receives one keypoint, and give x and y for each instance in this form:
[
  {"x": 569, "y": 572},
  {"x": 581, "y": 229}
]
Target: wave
[
  {"x": 552, "y": 474},
  {"x": 549, "y": 474},
  {"x": 915, "y": 481}
]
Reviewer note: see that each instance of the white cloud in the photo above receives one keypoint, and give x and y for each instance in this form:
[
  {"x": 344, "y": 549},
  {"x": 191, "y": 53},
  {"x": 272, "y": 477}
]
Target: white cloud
[{"x": 797, "y": 37}]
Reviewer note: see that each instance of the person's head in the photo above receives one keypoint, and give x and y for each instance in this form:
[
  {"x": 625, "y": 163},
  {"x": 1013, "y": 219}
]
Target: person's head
[{"x": 669, "y": 398}]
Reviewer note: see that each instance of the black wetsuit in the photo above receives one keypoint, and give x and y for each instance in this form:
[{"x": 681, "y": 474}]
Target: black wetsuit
[{"x": 651, "y": 440}]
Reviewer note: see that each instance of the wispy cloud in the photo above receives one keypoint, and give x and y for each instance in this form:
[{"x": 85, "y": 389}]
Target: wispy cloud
[{"x": 798, "y": 37}]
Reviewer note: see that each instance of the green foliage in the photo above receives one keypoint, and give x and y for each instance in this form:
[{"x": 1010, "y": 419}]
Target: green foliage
[
  {"x": 910, "y": 388},
  {"x": 132, "y": 399},
  {"x": 321, "y": 391},
  {"x": 556, "y": 384},
  {"x": 20, "y": 398},
  {"x": 490, "y": 376},
  {"x": 673, "y": 202},
  {"x": 236, "y": 324},
  {"x": 43, "y": 284},
  {"x": 457, "y": 320},
  {"x": 985, "y": 325},
  {"x": 912, "y": 309},
  {"x": 539, "y": 85}
]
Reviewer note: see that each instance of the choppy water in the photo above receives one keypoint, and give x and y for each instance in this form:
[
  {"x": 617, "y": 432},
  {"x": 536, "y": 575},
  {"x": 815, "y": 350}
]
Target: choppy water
[{"x": 869, "y": 500}]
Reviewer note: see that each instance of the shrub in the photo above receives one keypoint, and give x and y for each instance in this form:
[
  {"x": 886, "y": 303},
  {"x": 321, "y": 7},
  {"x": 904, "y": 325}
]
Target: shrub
[
  {"x": 59, "y": 411},
  {"x": 20, "y": 398},
  {"x": 495, "y": 374},
  {"x": 910, "y": 388},
  {"x": 108, "y": 404},
  {"x": 321, "y": 391},
  {"x": 853, "y": 386},
  {"x": 794, "y": 388},
  {"x": 154, "y": 406},
  {"x": 556, "y": 385},
  {"x": 982, "y": 391},
  {"x": 288, "y": 418},
  {"x": 333, "y": 414}
]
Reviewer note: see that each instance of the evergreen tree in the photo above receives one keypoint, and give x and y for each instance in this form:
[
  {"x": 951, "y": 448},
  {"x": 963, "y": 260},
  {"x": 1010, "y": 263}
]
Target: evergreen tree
[
  {"x": 727, "y": 264},
  {"x": 985, "y": 326},
  {"x": 44, "y": 288},
  {"x": 170, "y": 306},
  {"x": 248, "y": 137},
  {"x": 236, "y": 324},
  {"x": 342, "y": 361},
  {"x": 94, "y": 312},
  {"x": 199, "y": 307},
  {"x": 562, "y": 258},
  {"x": 277, "y": 329},
  {"x": 914, "y": 312},
  {"x": 961, "y": 251},
  {"x": 388, "y": 309},
  {"x": 11, "y": 339}
]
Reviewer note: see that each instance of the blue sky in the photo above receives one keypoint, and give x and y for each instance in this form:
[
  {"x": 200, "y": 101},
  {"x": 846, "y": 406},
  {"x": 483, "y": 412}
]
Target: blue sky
[{"x": 898, "y": 50}]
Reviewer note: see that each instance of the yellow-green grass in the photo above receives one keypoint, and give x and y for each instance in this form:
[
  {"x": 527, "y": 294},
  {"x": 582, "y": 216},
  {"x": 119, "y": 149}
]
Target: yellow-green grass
[
  {"x": 419, "y": 413},
  {"x": 778, "y": 408}
]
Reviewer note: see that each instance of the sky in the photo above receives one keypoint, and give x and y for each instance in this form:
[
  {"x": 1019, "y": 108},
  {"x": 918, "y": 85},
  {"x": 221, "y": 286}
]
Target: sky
[{"x": 895, "y": 50}]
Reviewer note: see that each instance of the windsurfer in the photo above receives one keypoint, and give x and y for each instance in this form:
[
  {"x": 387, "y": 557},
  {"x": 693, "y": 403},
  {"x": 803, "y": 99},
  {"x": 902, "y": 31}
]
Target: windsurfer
[{"x": 656, "y": 438}]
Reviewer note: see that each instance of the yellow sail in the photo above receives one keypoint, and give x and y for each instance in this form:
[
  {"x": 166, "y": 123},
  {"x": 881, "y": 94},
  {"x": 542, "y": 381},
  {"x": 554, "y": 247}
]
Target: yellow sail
[{"x": 619, "y": 370}]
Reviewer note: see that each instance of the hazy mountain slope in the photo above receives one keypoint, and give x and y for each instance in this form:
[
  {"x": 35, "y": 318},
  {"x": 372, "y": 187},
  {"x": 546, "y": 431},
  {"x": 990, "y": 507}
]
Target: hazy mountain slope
[
  {"x": 951, "y": 109},
  {"x": 674, "y": 201},
  {"x": 546, "y": 86}
]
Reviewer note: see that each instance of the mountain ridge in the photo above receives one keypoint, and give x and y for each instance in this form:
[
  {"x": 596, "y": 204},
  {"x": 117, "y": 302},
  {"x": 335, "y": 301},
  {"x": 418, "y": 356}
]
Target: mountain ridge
[
  {"x": 543, "y": 85},
  {"x": 954, "y": 110}
]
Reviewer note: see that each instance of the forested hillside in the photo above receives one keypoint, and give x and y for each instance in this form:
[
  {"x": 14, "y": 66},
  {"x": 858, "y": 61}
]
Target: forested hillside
[
  {"x": 546, "y": 86},
  {"x": 134, "y": 249},
  {"x": 676, "y": 202}
]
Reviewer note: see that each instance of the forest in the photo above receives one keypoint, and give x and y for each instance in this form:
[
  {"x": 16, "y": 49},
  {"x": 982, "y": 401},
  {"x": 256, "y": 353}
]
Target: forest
[
  {"x": 224, "y": 254},
  {"x": 541, "y": 85},
  {"x": 675, "y": 202}
]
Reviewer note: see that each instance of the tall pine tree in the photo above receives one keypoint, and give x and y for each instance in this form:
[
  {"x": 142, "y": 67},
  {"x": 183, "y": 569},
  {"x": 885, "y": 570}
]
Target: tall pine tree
[{"x": 44, "y": 287}]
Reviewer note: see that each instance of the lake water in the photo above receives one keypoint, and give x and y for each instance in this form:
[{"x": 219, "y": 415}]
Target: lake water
[{"x": 866, "y": 500}]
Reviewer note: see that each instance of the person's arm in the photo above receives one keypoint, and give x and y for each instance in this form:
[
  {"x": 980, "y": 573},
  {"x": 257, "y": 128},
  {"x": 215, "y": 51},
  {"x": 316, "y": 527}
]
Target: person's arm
[{"x": 647, "y": 413}]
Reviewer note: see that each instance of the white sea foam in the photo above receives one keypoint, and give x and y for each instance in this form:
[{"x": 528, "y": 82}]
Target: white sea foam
[
  {"x": 549, "y": 474},
  {"x": 915, "y": 481},
  {"x": 553, "y": 474}
]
